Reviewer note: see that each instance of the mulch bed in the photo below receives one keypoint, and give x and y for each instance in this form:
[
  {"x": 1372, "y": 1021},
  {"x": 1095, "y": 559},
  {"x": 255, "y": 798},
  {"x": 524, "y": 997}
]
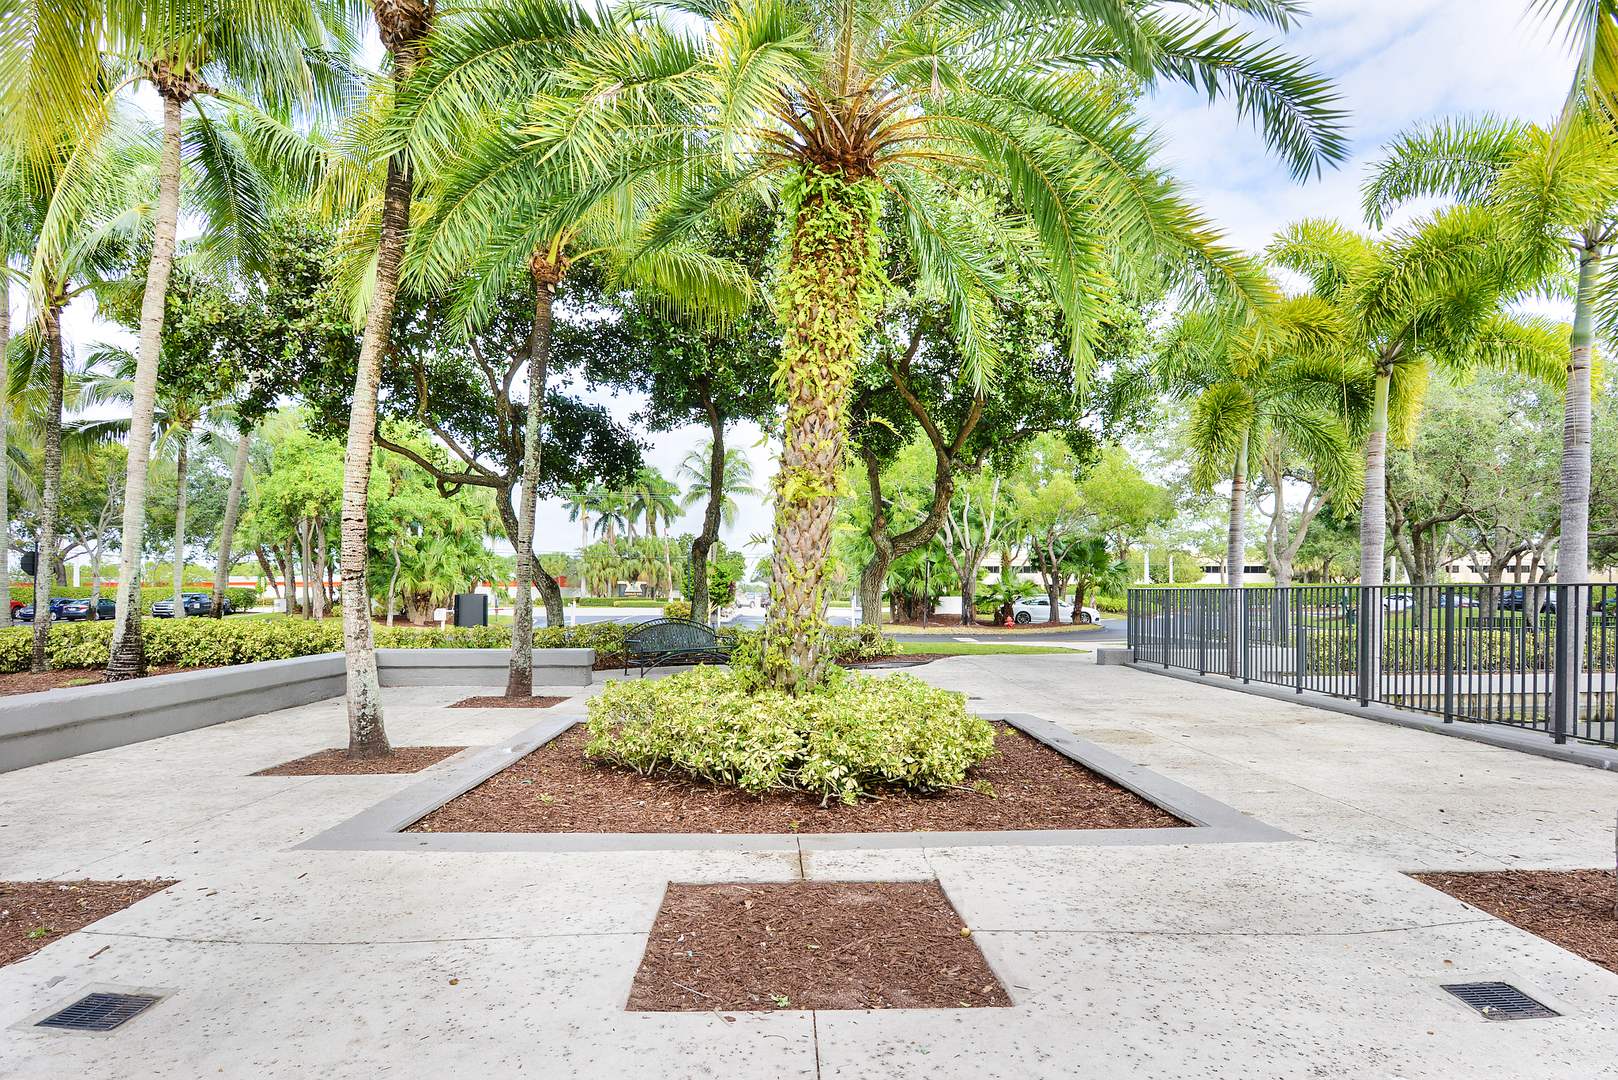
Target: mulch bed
[
  {"x": 811, "y": 945},
  {"x": 1572, "y": 908},
  {"x": 26, "y": 682},
  {"x": 555, "y": 789},
  {"x": 404, "y": 759},
  {"x": 900, "y": 660},
  {"x": 35, "y": 913},
  {"x": 499, "y": 701}
]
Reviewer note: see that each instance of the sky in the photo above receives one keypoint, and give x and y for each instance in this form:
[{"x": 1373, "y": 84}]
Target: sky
[{"x": 1395, "y": 63}]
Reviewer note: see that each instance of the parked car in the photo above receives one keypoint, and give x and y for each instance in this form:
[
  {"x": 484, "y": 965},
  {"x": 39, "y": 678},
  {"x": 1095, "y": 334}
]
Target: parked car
[
  {"x": 196, "y": 603},
  {"x": 79, "y": 610},
  {"x": 1458, "y": 600},
  {"x": 1038, "y": 609},
  {"x": 26, "y": 612},
  {"x": 1398, "y": 601},
  {"x": 1513, "y": 599}
]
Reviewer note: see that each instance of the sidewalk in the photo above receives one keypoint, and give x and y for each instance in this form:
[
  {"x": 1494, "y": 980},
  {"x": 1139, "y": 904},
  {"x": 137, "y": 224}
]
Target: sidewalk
[{"x": 1311, "y": 958}]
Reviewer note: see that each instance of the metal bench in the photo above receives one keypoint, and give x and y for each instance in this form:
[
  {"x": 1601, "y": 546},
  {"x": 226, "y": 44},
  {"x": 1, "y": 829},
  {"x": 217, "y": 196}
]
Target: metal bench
[{"x": 672, "y": 641}]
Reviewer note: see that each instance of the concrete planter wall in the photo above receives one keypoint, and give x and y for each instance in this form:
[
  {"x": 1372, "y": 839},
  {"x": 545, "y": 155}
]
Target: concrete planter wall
[{"x": 55, "y": 724}]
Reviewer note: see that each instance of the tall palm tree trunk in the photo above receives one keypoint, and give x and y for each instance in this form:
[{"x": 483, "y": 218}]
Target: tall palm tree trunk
[
  {"x": 182, "y": 460},
  {"x": 127, "y": 658},
  {"x": 704, "y": 541},
  {"x": 227, "y": 531},
  {"x": 5, "y": 461},
  {"x": 1235, "y": 559},
  {"x": 825, "y": 296},
  {"x": 50, "y": 489},
  {"x": 1573, "y": 552},
  {"x": 520, "y": 677},
  {"x": 1373, "y": 538},
  {"x": 402, "y": 24}
]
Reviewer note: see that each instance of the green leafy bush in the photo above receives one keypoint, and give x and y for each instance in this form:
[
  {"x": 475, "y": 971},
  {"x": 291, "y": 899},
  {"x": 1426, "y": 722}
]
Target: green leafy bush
[
  {"x": 1334, "y": 651},
  {"x": 201, "y": 642},
  {"x": 855, "y": 736},
  {"x": 616, "y": 601},
  {"x": 677, "y": 609}
]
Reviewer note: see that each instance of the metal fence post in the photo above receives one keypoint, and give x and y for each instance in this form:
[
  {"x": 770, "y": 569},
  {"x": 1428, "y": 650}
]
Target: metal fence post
[
  {"x": 1564, "y": 661},
  {"x": 1246, "y": 642},
  {"x": 1366, "y": 604},
  {"x": 1299, "y": 646},
  {"x": 1202, "y": 629},
  {"x": 1448, "y": 599}
]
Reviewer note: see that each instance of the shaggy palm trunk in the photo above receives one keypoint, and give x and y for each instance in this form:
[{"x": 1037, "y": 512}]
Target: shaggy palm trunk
[
  {"x": 704, "y": 541},
  {"x": 1573, "y": 554},
  {"x": 520, "y": 677},
  {"x": 1236, "y": 559},
  {"x": 181, "y": 461},
  {"x": 826, "y": 296},
  {"x": 227, "y": 531},
  {"x": 127, "y": 659},
  {"x": 1373, "y": 536},
  {"x": 5, "y": 461},
  {"x": 50, "y": 489}
]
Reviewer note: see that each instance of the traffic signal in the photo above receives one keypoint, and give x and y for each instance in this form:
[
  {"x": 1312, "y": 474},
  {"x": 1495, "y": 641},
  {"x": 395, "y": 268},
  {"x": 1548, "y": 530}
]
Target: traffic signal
[{"x": 30, "y": 562}]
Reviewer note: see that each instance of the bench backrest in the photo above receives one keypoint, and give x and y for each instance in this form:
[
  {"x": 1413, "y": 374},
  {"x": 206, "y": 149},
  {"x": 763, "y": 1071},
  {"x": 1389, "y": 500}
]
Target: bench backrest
[{"x": 666, "y": 635}]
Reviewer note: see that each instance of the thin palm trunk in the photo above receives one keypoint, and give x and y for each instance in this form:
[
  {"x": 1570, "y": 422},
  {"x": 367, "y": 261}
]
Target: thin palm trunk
[
  {"x": 1235, "y": 557},
  {"x": 306, "y": 556},
  {"x": 5, "y": 461},
  {"x": 227, "y": 531},
  {"x": 520, "y": 677},
  {"x": 50, "y": 490},
  {"x": 127, "y": 658},
  {"x": 1573, "y": 553},
  {"x": 824, "y": 299},
  {"x": 1373, "y": 539},
  {"x": 182, "y": 459}
]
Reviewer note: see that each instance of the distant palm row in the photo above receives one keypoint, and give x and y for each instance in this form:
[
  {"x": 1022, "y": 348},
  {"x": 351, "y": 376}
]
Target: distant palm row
[{"x": 515, "y": 140}]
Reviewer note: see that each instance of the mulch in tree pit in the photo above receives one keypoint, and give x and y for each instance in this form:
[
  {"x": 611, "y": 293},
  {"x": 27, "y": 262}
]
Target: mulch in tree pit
[
  {"x": 500, "y": 701},
  {"x": 35, "y": 913},
  {"x": 403, "y": 759},
  {"x": 812, "y": 945},
  {"x": 27, "y": 682},
  {"x": 1572, "y": 908},
  {"x": 555, "y": 789}
]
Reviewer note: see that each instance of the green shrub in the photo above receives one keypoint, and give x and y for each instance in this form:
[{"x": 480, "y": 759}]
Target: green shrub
[
  {"x": 677, "y": 609},
  {"x": 201, "y": 642},
  {"x": 616, "y": 601},
  {"x": 855, "y": 736}
]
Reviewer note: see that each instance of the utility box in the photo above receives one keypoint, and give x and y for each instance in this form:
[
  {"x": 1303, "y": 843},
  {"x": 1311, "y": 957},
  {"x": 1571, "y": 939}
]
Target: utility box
[{"x": 471, "y": 609}]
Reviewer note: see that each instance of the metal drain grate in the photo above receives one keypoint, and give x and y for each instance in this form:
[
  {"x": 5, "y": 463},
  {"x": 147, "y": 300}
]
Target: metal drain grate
[
  {"x": 100, "y": 1012},
  {"x": 1500, "y": 1001}
]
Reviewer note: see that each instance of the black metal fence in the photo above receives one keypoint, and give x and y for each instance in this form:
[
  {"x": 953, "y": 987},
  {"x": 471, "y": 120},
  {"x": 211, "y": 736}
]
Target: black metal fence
[{"x": 1539, "y": 657}]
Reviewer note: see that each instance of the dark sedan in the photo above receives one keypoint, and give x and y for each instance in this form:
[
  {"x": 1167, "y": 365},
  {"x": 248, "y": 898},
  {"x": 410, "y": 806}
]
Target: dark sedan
[
  {"x": 26, "y": 612},
  {"x": 79, "y": 610},
  {"x": 196, "y": 603}
]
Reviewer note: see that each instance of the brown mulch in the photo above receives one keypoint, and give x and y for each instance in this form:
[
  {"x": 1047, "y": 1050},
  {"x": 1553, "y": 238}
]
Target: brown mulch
[
  {"x": 403, "y": 759},
  {"x": 555, "y": 789},
  {"x": 898, "y": 660},
  {"x": 35, "y": 913},
  {"x": 26, "y": 682},
  {"x": 812, "y": 945},
  {"x": 1571, "y": 908},
  {"x": 500, "y": 701}
]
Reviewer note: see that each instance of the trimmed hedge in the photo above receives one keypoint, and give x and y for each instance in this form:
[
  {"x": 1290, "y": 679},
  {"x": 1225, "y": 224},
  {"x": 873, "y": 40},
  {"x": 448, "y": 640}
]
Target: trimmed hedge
[
  {"x": 853, "y": 737},
  {"x": 1405, "y": 651},
  {"x": 616, "y": 601},
  {"x": 201, "y": 642}
]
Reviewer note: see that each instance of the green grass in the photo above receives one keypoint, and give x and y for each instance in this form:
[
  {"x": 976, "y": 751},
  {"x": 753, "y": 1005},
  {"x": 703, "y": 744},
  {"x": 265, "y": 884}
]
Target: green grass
[{"x": 976, "y": 648}]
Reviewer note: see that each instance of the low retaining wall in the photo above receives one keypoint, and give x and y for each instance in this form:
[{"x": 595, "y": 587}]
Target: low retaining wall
[{"x": 55, "y": 724}]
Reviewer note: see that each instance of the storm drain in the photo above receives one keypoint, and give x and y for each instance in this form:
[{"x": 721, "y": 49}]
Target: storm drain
[
  {"x": 100, "y": 1012},
  {"x": 1500, "y": 1001}
]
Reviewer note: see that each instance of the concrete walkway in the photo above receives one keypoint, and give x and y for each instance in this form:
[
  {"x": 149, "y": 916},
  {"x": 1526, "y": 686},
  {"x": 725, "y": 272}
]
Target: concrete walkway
[{"x": 1311, "y": 958}]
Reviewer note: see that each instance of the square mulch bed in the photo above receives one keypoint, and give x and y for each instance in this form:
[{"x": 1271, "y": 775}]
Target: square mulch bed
[
  {"x": 1571, "y": 908},
  {"x": 812, "y": 945},
  {"x": 403, "y": 759},
  {"x": 35, "y": 913},
  {"x": 556, "y": 789},
  {"x": 500, "y": 701}
]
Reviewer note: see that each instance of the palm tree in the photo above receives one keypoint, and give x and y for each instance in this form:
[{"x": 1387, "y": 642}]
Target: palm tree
[
  {"x": 1430, "y": 297},
  {"x": 716, "y": 475},
  {"x": 1555, "y": 193},
  {"x": 653, "y": 496},
  {"x": 1591, "y": 29},
  {"x": 866, "y": 105},
  {"x": 61, "y": 80},
  {"x": 580, "y": 502},
  {"x": 612, "y": 514}
]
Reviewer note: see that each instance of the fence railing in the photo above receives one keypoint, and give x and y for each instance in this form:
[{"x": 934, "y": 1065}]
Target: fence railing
[{"x": 1538, "y": 656}]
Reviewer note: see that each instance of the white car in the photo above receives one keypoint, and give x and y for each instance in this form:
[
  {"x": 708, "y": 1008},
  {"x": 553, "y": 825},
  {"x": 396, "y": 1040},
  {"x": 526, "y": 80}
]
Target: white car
[{"x": 1037, "y": 609}]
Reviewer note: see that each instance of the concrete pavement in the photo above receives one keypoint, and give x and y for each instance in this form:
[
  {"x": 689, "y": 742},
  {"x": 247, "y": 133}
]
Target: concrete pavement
[{"x": 1311, "y": 958}]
